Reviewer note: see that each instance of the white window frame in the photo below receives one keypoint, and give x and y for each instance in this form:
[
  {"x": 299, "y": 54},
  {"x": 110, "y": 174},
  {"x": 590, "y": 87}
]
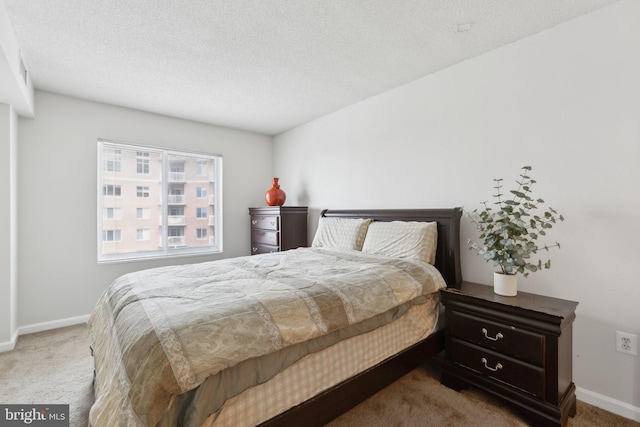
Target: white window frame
[{"x": 166, "y": 251}]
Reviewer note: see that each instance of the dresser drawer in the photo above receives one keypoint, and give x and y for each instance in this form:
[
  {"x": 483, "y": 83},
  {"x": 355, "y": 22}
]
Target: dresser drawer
[
  {"x": 277, "y": 228},
  {"x": 265, "y": 222},
  {"x": 257, "y": 248},
  {"x": 266, "y": 237},
  {"x": 505, "y": 339},
  {"x": 502, "y": 368}
]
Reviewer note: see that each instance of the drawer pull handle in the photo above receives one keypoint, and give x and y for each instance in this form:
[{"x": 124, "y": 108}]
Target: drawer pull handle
[
  {"x": 498, "y": 366},
  {"x": 254, "y": 249},
  {"x": 254, "y": 222},
  {"x": 498, "y": 335}
]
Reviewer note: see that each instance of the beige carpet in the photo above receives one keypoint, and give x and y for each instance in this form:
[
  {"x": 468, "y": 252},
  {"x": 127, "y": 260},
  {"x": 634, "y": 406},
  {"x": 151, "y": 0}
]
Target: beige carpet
[
  {"x": 56, "y": 367},
  {"x": 52, "y": 367}
]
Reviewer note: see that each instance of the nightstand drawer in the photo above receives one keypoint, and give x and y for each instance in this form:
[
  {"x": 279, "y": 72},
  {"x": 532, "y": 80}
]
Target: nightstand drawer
[
  {"x": 265, "y": 222},
  {"x": 505, "y": 339},
  {"x": 257, "y": 248},
  {"x": 502, "y": 368},
  {"x": 266, "y": 237}
]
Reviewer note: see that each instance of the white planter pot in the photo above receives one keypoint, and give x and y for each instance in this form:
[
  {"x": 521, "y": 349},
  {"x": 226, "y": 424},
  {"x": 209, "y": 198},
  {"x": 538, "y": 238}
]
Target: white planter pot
[{"x": 505, "y": 284}]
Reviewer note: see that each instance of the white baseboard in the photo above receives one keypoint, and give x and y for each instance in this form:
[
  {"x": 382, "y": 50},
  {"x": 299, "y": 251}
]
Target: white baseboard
[
  {"x": 54, "y": 324},
  {"x": 608, "y": 404},
  {"x": 9, "y": 345},
  {"x": 39, "y": 327}
]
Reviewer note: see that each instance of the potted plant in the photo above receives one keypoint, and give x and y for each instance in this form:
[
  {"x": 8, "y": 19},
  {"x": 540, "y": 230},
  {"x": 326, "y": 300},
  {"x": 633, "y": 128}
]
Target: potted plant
[{"x": 509, "y": 230}]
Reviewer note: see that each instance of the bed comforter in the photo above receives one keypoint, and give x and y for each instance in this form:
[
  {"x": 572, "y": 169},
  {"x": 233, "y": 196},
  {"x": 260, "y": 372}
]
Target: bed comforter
[{"x": 159, "y": 335}]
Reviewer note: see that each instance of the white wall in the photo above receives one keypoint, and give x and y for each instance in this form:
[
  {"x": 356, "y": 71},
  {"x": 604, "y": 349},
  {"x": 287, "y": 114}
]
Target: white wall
[
  {"x": 567, "y": 102},
  {"x": 59, "y": 277}
]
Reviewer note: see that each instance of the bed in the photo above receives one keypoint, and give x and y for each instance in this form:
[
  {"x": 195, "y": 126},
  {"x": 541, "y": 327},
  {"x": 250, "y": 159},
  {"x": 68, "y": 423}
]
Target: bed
[{"x": 301, "y": 361}]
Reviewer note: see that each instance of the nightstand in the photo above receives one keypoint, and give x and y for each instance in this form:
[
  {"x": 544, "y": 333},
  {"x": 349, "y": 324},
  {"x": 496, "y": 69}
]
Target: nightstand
[
  {"x": 278, "y": 228},
  {"x": 517, "y": 348}
]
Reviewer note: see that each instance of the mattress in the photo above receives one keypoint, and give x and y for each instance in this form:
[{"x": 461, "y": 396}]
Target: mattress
[{"x": 320, "y": 371}]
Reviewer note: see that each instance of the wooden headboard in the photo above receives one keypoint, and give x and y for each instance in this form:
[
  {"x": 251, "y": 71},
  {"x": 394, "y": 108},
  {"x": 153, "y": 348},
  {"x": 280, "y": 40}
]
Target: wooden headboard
[{"x": 448, "y": 252}]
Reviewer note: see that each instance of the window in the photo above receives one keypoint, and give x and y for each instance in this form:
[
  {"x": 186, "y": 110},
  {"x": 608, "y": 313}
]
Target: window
[
  {"x": 111, "y": 190},
  {"x": 202, "y": 167},
  {"x": 111, "y": 235},
  {"x": 142, "y": 213},
  {"x": 112, "y": 213},
  {"x": 142, "y": 162},
  {"x": 142, "y": 191},
  {"x": 112, "y": 160},
  {"x": 158, "y": 187},
  {"x": 176, "y": 211}
]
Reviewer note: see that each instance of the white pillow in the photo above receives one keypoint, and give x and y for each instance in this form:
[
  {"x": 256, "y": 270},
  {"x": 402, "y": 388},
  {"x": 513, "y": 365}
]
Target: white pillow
[
  {"x": 340, "y": 233},
  {"x": 403, "y": 239}
]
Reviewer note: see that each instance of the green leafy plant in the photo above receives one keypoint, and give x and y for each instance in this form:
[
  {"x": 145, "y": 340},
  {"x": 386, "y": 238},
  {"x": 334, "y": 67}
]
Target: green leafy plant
[{"x": 509, "y": 230}]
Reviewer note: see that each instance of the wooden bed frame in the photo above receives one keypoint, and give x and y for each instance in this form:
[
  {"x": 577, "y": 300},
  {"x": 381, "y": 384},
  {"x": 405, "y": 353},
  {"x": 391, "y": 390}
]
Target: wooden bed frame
[{"x": 337, "y": 400}]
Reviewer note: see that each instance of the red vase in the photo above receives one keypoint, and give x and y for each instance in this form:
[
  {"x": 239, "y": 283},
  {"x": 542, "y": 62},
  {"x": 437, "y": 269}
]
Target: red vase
[{"x": 275, "y": 196}]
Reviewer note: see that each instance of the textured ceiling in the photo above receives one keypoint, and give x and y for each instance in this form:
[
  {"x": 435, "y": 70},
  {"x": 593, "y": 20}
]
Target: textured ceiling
[{"x": 265, "y": 66}]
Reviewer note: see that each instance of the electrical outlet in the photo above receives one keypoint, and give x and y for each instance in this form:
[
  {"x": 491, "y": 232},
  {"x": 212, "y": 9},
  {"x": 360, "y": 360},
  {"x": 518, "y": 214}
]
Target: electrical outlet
[{"x": 626, "y": 343}]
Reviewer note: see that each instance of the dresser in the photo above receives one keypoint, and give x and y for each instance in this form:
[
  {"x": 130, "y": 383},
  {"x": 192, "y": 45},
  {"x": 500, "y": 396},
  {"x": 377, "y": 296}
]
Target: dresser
[
  {"x": 278, "y": 228},
  {"x": 517, "y": 348}
]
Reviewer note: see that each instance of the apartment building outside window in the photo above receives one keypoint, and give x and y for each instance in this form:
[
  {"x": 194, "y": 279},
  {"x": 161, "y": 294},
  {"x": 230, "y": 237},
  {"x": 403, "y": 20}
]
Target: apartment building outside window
[{"x": 152, "y": 202}]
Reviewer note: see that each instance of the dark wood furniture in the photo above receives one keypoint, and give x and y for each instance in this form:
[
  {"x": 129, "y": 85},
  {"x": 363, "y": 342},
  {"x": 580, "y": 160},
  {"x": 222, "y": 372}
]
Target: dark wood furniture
[
  {"x": 517, "y": 348},
  {"x": 278, "y": 228},
  {"x": 322, "y": 408}
]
